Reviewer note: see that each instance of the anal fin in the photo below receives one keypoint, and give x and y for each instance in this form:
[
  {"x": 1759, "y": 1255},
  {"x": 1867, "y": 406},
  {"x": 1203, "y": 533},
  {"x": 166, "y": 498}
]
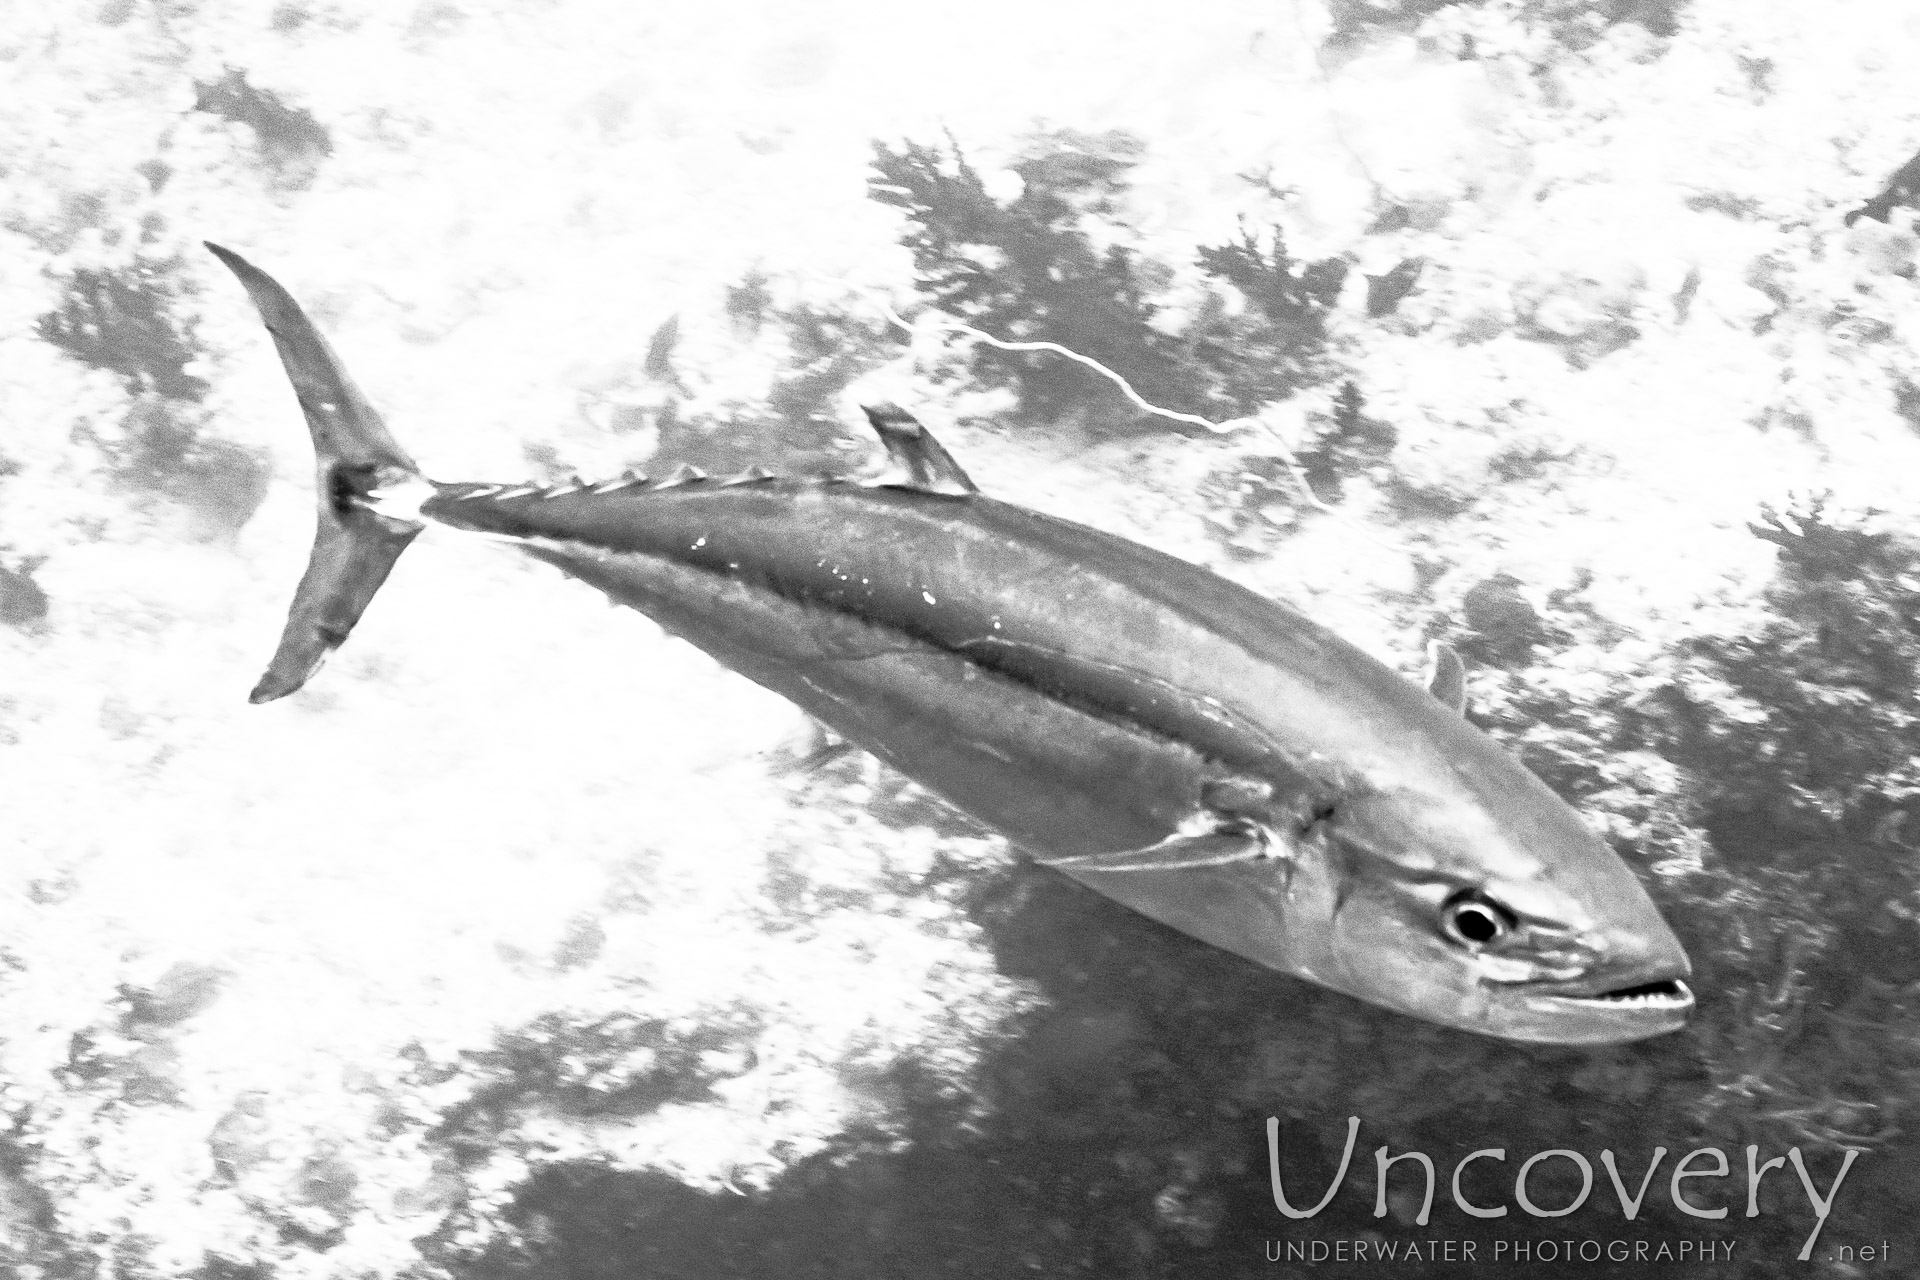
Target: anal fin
[{"x": 822, "y": 748}]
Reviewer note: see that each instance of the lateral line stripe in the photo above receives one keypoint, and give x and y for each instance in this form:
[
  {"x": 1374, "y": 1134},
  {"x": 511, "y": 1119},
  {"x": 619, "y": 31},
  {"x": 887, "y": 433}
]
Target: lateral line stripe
[{"x": 1098, "y": 710}]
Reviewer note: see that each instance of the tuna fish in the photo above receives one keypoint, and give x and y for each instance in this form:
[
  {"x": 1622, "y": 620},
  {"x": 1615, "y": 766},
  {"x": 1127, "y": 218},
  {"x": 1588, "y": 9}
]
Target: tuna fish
[{"x": 1206, "y": 756}]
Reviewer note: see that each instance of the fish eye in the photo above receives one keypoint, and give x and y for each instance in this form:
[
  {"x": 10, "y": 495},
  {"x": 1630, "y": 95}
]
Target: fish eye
[{"x": 1475, "y": 919}]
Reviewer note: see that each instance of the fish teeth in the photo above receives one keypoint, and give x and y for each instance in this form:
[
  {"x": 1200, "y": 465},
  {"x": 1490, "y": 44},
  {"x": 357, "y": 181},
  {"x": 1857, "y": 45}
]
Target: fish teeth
[
  {"x": 624, "y": 482},
  {"x": 752, "y": 475},
  {"x": 518, "y": 491}
]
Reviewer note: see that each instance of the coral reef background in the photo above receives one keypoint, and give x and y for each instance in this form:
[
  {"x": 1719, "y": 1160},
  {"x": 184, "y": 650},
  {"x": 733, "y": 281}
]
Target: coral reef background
[{"x": 518, "y": 944}]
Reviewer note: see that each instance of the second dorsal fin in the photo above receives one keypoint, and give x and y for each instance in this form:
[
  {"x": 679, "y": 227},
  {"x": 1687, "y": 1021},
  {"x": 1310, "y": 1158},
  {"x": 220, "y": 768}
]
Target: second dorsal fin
[
  {"x": 923, "y": 462},
  {"x": 1447, "y": 676}
]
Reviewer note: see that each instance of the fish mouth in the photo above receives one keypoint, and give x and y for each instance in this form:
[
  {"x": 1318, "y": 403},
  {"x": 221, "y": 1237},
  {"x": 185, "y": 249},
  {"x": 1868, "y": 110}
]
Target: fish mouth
[
  {"x": 1662, "y": 994},
  {"x": 1593, "y": 1013}
]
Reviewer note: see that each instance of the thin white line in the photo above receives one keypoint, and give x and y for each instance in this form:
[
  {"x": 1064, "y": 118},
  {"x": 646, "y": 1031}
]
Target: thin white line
[{"x": 953, "y": 325}]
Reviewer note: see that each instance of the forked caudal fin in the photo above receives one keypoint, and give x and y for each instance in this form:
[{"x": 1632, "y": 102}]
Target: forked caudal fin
[
  {"x": 354, "y": 548},
  {"x": 355, "y": 545}
]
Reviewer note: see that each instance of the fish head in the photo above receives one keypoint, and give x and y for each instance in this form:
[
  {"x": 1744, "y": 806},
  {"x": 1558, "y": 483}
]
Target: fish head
[{"x": 1503, "y": 915}]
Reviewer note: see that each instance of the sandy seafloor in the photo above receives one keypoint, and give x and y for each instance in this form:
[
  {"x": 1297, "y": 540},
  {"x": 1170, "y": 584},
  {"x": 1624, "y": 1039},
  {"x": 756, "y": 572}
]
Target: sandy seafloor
[{"x": 264, "y": 970}]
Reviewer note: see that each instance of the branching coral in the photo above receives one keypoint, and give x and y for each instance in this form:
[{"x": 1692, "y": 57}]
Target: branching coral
[
  {"x": 125, "y": 323},
  {"x": 1030, "y": 269}
]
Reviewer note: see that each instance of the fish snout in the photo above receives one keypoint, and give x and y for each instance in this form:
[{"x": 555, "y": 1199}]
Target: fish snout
[
  {"x": 1636, "y": 987},
  {"x": 1644, "y": 954}
]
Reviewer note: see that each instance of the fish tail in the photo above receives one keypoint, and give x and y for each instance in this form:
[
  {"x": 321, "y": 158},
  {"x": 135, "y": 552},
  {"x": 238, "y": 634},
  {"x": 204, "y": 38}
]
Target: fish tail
[{"x": 355, "y": 546}]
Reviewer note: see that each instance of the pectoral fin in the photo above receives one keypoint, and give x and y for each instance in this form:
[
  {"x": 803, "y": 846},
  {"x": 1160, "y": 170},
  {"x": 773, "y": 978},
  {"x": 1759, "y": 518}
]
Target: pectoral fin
[
  {"x": 1178, "y": 852},
  {"x": 1447, "y": 676},
  {"x": 1226, "y": 883}
]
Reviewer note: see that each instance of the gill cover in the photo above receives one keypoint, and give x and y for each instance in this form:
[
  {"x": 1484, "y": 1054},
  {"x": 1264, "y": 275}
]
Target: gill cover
[{"x": 354, "y": 548}]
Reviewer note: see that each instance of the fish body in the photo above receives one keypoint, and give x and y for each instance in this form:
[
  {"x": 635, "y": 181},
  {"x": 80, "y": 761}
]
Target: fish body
[{"x": 1196, "y": 751}]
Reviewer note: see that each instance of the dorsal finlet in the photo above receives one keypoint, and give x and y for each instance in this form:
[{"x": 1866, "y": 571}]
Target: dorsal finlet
[
  {"x": 926, "y": 464},
  {"x": 685, "y": 473}
]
